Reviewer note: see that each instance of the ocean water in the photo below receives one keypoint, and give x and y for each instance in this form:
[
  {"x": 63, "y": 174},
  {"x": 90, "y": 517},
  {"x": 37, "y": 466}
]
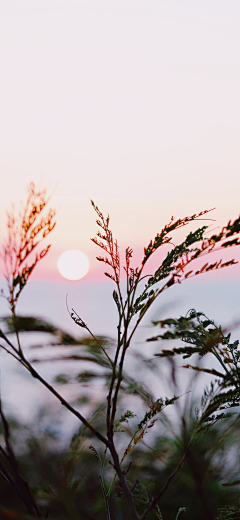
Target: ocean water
[
  {"x": 21, "y": 395},
  {"x": 219, "y": 299}
]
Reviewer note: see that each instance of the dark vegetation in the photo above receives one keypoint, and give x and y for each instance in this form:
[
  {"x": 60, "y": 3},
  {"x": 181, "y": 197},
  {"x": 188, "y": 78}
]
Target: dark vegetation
[{"x": 137, "y": 455}]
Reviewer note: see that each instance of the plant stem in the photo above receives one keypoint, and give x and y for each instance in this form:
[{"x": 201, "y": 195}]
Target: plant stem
[
  {"x": 126, "y": 490},
  {"x": 63, "y": 401},
  {"x": 155, "y": 500}
]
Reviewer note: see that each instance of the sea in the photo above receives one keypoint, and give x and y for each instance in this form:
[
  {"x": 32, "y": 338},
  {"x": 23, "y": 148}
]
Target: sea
[{"x": 23, "y": 397}]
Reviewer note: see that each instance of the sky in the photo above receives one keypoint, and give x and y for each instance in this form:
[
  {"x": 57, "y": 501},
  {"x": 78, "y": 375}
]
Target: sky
[{"x": 131, "y": 103}]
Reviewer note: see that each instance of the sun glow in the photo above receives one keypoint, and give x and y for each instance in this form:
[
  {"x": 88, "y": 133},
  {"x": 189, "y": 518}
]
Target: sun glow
[{"x": 73, "y": 264}]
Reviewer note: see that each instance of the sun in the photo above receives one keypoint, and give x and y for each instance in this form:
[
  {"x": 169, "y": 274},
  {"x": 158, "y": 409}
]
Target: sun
[{"x": 73, "y": 264}]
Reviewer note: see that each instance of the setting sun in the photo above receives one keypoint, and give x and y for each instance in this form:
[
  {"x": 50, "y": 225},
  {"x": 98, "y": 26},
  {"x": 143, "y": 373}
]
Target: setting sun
[{"x": 73, "y": 264}]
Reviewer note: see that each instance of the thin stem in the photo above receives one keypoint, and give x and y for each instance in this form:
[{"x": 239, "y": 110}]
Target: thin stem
[
  {"x": 98, "y": 342},
  {"x": 120, "y": 371},
  {"x": 109, "y": 397},
  {"x": 8, "y": 477},
  {"x": 123, "y": 482},
  {"x": 105, "y": 498},
  {"x": 166, "y": 285},
  {"x": 17, "y": 333},
  {"x": 17, "y": 352},
  {"x": 154, "y": 502},
  {"x": 63, "y": 401},
  {"x": 121, "y": 461},
  {"x": 11, "y": 354},
  {"x": 119, "y": 379},
  {"x": 156, "y": 499},
  {"x": 81, "y": 323}
]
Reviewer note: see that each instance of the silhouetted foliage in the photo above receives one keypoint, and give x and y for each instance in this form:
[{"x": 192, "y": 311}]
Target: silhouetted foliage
[{"x": 109, "y": 470}]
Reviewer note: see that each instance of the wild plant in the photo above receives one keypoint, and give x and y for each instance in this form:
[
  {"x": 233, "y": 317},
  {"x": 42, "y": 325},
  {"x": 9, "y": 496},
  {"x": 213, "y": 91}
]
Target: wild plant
[{"x": 141, "y": 291}]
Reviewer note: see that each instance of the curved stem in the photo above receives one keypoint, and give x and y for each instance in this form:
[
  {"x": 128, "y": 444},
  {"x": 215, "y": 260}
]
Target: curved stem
[
  {"x": 63, "y": 401},
  {"x": 155, "y": 500}
]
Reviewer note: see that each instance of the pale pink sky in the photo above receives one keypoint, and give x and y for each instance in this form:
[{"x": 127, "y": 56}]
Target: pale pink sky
[{"x": 134, "y": 104}]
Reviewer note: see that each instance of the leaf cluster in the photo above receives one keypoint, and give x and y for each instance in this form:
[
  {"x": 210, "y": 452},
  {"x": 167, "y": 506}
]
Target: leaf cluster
[
  {"x": 26, "y": 229},
  {"x": 202, "y": 336}
]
